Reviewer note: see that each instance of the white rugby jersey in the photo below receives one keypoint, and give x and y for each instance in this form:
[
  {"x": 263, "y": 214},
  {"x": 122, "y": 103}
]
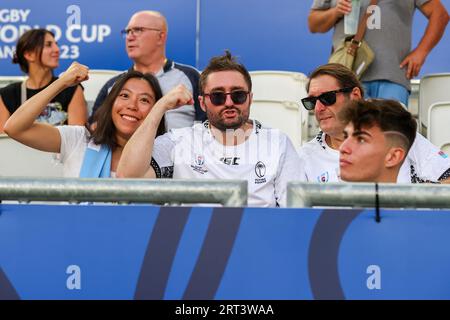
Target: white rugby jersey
[
  {"x": 267, "y": 160},
  {"x": 424, "y": 162}
]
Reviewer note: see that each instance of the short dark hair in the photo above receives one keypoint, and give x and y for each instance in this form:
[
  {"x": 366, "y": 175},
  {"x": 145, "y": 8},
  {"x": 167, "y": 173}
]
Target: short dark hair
[
  {"x": 344, "y": 76},
  {"x": 388, "y": 115},
  {"x": 104, "y": 132},
  {"x": 226, "y": 62},
  {"x": 31, "y": 40}
]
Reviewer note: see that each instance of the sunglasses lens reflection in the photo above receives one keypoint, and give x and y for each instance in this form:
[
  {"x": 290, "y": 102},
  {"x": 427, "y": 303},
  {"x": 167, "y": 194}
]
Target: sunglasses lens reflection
[
  {"x": 239, "y": 97},
  {"x": 327, "y": 99},
  {"x": 309, "y": 103},
  {"x": 219, "y": 98}
]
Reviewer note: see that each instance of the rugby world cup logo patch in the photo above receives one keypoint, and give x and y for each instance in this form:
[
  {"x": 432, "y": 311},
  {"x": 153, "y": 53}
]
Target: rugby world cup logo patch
[
  {"x": 199, "y": 160},
  {"x": 324, "y": 177},
  {"x": 198, "y": 165}
]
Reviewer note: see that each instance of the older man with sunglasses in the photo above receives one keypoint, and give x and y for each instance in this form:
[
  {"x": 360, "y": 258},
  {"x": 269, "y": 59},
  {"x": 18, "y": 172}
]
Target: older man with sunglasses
[
  {"x": 226, "y": 146},
  {"x": 330, "y": 88}
]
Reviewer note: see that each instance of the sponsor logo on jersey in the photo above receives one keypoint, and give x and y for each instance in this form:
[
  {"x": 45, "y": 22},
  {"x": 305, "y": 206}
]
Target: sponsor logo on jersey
[
  {"x": 231, "y": 161},
  {"x": 199, "y": 161},
  {"x": 324, "y": 177},
  {"x": 443, "y": 154},
  {"x": 260, "y": 171}
]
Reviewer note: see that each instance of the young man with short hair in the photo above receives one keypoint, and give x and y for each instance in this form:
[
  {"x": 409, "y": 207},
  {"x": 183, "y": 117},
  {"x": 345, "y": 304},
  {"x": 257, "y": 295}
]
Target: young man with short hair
[{"x": 378, "y": 135}]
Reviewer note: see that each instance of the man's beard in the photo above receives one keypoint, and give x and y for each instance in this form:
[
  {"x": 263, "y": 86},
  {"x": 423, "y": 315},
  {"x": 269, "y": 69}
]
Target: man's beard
[{"x": 218, "y": 122}]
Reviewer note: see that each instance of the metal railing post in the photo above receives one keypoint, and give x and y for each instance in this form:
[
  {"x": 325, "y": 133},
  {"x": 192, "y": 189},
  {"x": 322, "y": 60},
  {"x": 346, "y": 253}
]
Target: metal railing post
[
  {"x": 231, "y": 193},
  {"x": 304, "y": 194}
]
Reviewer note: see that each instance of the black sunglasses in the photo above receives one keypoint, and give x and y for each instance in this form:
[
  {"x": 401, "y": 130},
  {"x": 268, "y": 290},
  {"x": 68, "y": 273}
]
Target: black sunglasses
[
  {"x": 218, "y": 98},
  {"x": 327, "y": 98}
]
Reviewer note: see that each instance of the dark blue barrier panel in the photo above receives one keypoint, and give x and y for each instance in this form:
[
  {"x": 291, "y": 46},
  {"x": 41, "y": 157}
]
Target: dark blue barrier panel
[{"x": 150, "y": 252}]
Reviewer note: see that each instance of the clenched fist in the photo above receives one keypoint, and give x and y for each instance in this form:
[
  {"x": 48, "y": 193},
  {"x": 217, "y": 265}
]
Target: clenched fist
[
  {"x": 177, "y": 97},
  {"x": 75, "y": 74}
]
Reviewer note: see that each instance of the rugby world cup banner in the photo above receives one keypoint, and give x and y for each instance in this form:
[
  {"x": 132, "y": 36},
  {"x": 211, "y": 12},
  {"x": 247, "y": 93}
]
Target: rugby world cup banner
[
  {"x": 265, "y": 34},
  {"x": 89, "y": 31},
  {"x": 151, "y": 252}
]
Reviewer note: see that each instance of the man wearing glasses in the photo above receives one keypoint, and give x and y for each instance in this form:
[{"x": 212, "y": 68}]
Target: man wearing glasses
[
  {"x": 330, "y": 88},
  {"x": 226, "y": 146},
  {"x": 145, "y": 40}
]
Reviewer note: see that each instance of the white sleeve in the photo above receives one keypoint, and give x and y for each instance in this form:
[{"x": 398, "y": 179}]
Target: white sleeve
[
  {"x": 291, "y": 168},
  {"x": 429, "y": 162},
  {"x": 162, "y": 157},
  {"x": 303, "y": 155},
  {"x": 71, "y": 139}
]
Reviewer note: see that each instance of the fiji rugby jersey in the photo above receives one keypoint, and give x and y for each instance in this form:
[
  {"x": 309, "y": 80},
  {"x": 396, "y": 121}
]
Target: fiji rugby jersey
[
  {"x": 424, "y": 162},
  {"x": 267, "y": 160}
]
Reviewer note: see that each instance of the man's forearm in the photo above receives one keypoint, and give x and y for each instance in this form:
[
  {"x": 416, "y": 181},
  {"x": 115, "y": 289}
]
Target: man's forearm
[
  {"x": 437, "y": 22},
  {"x": 136, "y": 156},
  {"x": 322, "y": 20}
]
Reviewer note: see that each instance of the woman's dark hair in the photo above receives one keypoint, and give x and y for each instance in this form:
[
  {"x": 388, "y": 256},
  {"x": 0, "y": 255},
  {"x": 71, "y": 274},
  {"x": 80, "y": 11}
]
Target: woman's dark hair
[
  {"x": 104, "y": 131},
  {"x": 30, "y": 41}
]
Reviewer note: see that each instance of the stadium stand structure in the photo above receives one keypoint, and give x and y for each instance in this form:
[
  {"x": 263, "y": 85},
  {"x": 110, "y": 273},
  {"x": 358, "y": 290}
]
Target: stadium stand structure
[
  {"x": 19, "y": 160},
  {"x": 433, "y": 88},
  {"x": 438, "y": 125},
  {"x": 5, "y": 80},
  {"x": 276, "y": 102}
]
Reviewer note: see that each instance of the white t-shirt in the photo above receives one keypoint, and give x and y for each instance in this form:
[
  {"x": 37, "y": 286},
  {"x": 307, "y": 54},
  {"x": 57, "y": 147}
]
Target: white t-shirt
[
  {"x": 424, "y": 162},
  {"x": 267, "y": 160},
  {"x": 74, "y": 141}
]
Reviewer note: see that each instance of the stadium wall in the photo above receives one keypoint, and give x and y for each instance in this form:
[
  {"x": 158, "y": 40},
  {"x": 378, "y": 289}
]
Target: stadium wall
[{"x": 266, "y": 34}]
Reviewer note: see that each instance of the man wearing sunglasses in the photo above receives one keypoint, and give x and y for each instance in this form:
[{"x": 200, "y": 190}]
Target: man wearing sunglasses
[
  {"x": 145, "y": 39},
  {"x": 330, "y": 88},
  {"x": 227, "y": 146}
]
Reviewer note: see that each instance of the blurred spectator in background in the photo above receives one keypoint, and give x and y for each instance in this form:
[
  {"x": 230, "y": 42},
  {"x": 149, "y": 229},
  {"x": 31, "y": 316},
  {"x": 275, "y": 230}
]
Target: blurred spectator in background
[
  {"x": 145, "y": 41},
  {"x": 37, "y": 54},
  {"x": 395, "y": 64}
]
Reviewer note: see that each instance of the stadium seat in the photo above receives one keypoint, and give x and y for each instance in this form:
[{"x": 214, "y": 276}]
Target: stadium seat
[
  {"x": 5, "y": 80},
  {"x": 433, "y": 88},
  {"x": 97, "y": 78},
  {"x": 19, "y": 160},
  {"x": 276, "y": 102},
  {"x": 283, "y": 115},
  {"x": 438, "y": 124},
  {"x": 413, "y": 101}
]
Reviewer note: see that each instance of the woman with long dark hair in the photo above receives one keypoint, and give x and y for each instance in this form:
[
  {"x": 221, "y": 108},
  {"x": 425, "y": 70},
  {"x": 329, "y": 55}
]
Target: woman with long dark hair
[
  {"x": 37, "y": 54},
  {"x": 90, "y": 151}
]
